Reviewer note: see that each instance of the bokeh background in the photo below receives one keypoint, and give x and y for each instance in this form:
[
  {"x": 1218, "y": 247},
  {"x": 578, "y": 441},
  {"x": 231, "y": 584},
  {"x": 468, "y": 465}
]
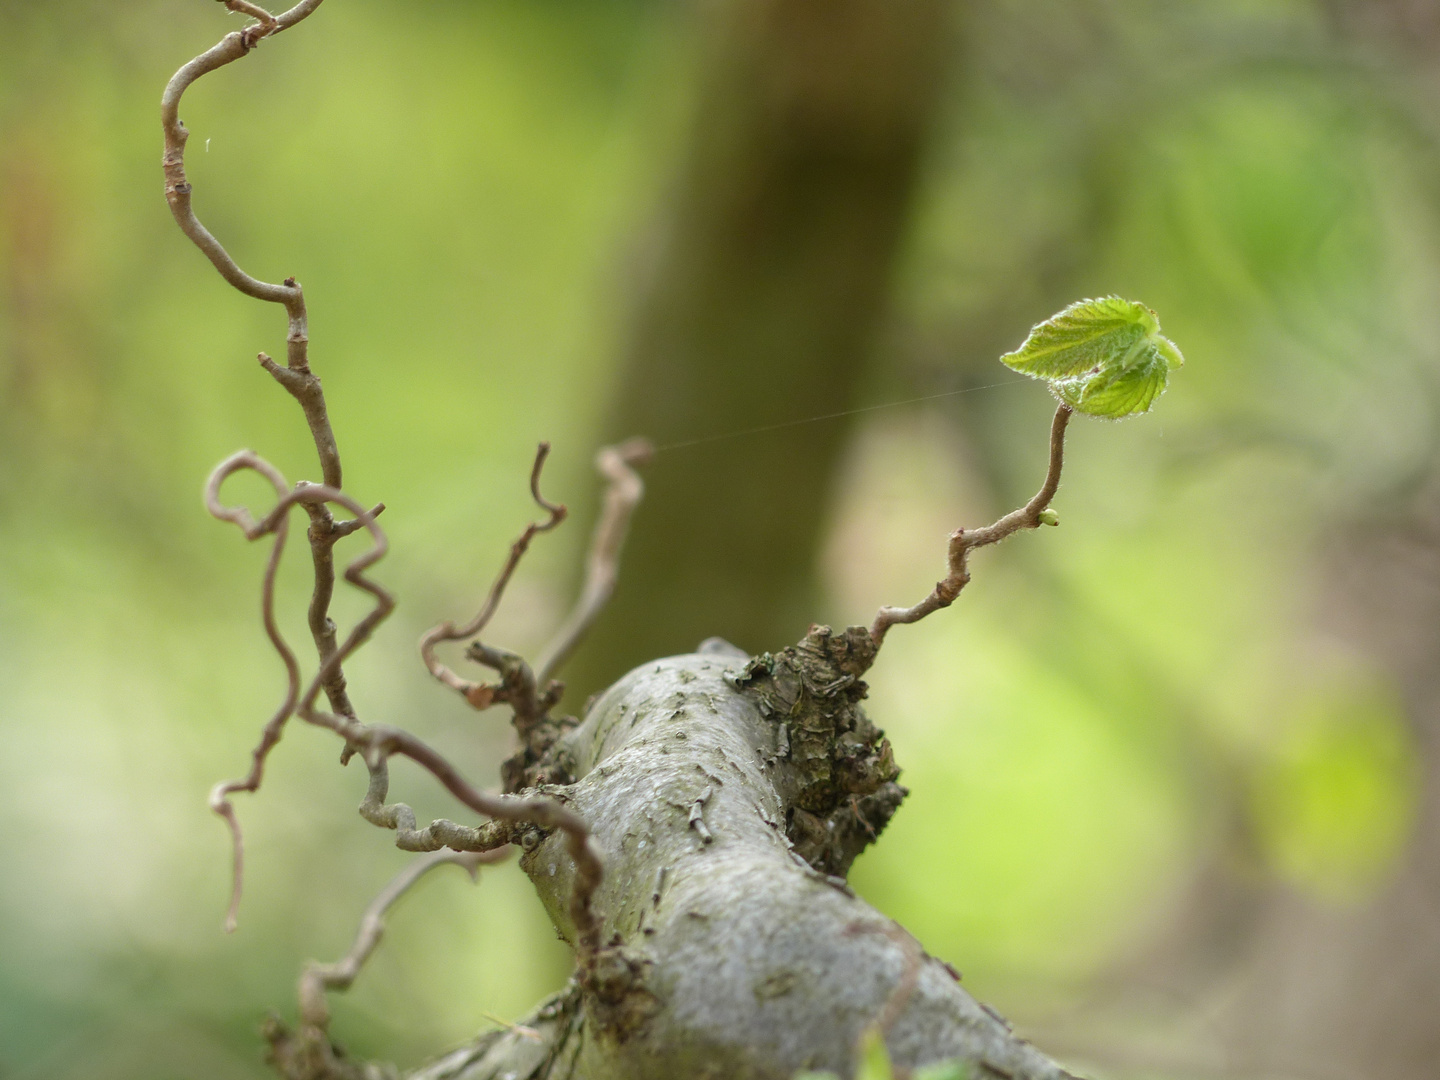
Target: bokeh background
[{"x": 1174, "y": 764}]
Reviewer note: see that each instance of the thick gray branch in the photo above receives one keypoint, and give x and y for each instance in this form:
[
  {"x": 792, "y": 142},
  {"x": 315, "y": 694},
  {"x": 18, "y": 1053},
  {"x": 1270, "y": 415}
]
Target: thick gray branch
[{"x": 730, "y": 956}]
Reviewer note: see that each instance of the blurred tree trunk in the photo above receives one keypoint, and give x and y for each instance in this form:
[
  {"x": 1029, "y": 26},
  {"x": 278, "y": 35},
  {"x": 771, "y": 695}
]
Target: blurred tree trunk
[
  {"x": 760, "y": 305},
  {"x": 1356, "y": 991}
]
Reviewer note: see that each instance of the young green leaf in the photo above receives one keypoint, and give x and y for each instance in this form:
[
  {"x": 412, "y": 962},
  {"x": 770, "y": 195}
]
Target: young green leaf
[{"x": 1103, "y": 357}]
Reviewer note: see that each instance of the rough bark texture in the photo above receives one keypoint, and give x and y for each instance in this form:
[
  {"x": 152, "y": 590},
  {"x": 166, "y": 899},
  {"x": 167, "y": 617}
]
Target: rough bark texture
[{"x": 727, "y": 795}]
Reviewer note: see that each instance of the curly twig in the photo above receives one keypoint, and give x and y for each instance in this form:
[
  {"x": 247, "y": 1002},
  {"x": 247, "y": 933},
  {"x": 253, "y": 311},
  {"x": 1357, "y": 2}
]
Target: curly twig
[
  {"x": 277, "y": 522},
  {"x": 483, "y": 695},
  {"x": 440, "y": 833},
  {"x": 963, "y": 541},
  {"x": 219, "y": 797},
  {"x": 622, "y": 496},
  {"x": 377, "y": 743},
  {"x": 381, "y": 742},
  {"x": 317, "y": 979},
  {"x": 178, "y": 189},
  {"x": 296, "y": 377}
]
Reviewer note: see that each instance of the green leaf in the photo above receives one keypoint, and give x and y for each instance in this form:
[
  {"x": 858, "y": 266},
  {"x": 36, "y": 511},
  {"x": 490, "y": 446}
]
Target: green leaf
[
  {"x": 874, "y": 1060},
  {"x": 1103, "y": 357}
]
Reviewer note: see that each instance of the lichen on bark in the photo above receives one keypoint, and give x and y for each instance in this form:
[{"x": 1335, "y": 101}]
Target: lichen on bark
[{"x": 834, "y": 767}]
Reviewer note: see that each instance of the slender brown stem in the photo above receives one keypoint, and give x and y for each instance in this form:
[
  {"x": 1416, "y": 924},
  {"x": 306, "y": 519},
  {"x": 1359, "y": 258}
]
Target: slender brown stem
[
  {"x": 317, "y": 979},
  {"x": 309, "y": 495},
  {"x": 481, "y": 695},
  {"x": 963, "y": 541},
  {"x": 379, "y": 742},
  {"x": 219, "y": 797},
  {"x": 297, "y": 378},
  {"x": 623, "y": 493},
  {"x": 304, "y": 386},
  {"x": 178, "y": 189}
]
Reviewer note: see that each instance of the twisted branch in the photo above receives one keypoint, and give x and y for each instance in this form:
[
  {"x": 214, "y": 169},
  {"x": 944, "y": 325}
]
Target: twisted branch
[
  {"x": 380, "y": 742},
  {"x": 277, "y": 522},
  {"x": 178, "y": 189},
  {"x": 317, "y": 979},
  {"x": 377, "y": 743},
  {"x": 963, "y": 541},
  {"x": 308, "y": 1052},
  {"x": 518, "y": 688},
  {"x": 219, "y": 797},
  {"x": 622, "y": 496},
  {"x": 296, "y": 377}
]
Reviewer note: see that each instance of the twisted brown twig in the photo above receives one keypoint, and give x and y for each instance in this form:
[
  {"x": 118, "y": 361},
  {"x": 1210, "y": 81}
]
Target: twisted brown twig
[
  {"x": 178, "y": 189},
  {"x": 382, "y": 742},
  {"x": 296, "y": 377},
  {"x": 277, "y": 522},
  {"x": 964, "y": 541},
  {"x": 308, "y": 1051},
  {"x": 317, "y": 979},
  {"x": 531, "y": 695},
  {"x": 219, "y": 797},
  {"x": 519, "y": 689},
  {"x": 623, "y": 493},
  {"x": 377, "y": 743}
]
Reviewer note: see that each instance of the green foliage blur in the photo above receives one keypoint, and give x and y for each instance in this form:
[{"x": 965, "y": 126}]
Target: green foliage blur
[
  {"x": 460, "y": 187},
  {"x": 874, "y": 1064}
]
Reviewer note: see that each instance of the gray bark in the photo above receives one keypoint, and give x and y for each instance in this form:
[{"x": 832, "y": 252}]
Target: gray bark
[{"x": 733, "y": 947}]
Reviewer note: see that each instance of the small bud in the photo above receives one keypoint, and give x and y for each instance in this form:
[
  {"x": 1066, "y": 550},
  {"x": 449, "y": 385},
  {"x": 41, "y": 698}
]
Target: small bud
[{"x": 1049, "y": 517}]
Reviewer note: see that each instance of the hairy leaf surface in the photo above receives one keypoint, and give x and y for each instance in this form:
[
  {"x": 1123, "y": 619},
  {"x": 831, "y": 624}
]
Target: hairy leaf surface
[{"x": 1103, "y": 357}]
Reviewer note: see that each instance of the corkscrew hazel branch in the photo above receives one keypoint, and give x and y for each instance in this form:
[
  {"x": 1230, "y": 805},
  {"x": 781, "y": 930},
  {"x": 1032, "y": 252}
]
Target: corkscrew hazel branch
[
  {"x": 318, "y": 979},
  {"x": 482, "y": 695},
  {"x": 963, "y": 541},
  {"x": 623, "y": 493},
  {"x": 296, "y": 378},
  {"x": 220, "y": 796},
  {"x": 377, "y": 743}
]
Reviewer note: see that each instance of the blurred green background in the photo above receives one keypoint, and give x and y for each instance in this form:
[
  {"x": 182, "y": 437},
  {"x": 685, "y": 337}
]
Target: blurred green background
[{"x": 1173, "y": 765}]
